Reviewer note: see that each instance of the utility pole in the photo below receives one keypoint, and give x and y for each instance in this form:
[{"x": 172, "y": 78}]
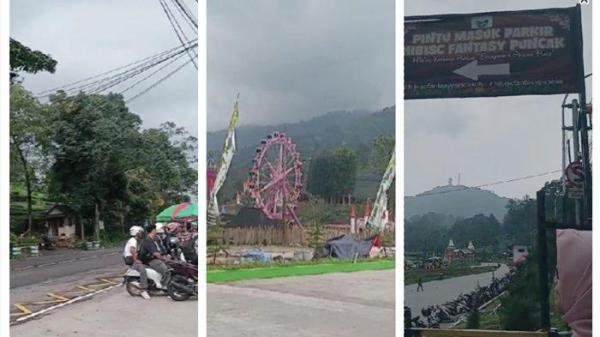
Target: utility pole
[
  {"x": 586, "y": 213},
  {"x": 576, "y": 154},
  {"x": 542, "y": 250}
]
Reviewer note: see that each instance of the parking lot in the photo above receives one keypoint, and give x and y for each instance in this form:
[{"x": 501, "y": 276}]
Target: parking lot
[
  {"x": 331, "y": 305},
  {"x": 116, "y": 313}
]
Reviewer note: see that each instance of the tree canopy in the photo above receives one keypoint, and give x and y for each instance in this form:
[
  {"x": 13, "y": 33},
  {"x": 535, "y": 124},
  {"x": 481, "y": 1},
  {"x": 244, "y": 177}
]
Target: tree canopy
[
  {"x": 333, "y": 174},
  {"x": 23, "y": 58}
]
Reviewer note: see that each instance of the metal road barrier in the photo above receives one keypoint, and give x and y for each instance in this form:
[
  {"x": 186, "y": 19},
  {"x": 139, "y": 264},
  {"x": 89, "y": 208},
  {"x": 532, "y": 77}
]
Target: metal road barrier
[
  {"x": 481, "y": 333},
  {"x": 475, "y": 333},
  {"x": 21, "y": 312}
]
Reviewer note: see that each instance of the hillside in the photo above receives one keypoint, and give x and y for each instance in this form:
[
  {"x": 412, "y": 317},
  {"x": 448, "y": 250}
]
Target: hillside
[
  {"x": 456, "y": 200},
  {"x": 355, "y": 130}
]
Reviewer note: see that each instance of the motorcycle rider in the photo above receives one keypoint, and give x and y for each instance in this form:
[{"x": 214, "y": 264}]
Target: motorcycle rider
[
  {"x": 161, "y": 240},
  {"x": 130, "y": 256},
  {"x": 152, "y": 256}
]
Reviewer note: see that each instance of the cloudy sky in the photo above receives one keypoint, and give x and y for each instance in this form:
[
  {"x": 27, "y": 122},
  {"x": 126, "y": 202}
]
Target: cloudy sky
[
  {"x": 485, "y": 139},
  {"x": 93, "y": 36},
  {"x": 292, "y": 60}
]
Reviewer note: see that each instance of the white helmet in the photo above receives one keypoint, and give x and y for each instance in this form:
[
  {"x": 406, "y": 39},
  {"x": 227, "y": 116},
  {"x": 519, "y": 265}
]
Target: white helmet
[
  {"x": 134, "y": 230},
  {"x": 160, "y": 228}
]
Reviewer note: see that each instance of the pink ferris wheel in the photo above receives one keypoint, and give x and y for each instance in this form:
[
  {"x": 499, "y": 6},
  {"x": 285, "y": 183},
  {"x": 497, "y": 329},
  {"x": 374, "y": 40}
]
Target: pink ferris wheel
[{"x": 275, "y": 180}]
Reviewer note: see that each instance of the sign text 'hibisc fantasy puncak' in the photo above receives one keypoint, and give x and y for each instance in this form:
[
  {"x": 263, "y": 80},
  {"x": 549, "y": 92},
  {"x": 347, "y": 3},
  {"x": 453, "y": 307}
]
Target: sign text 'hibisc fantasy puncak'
[{"x": 493, "y": 54}]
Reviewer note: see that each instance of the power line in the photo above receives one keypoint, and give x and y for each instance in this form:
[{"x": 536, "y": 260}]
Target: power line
[
  {"x": 116, "y": 80},
  {"x": 137, "y": 63},
  {"x": 187, "y": 13},
  {"x": 177, "y": 28},
  {"x": 458, "y": 189},
  {"x": 151, "y": 74},
  {"x": 110, "y": 81},
  {"x": 158, "y": 82},
  {"x": 102, "y": 107}
]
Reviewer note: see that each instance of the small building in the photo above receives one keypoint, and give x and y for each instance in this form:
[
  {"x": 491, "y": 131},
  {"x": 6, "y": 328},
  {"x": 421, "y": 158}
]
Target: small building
[
  {"x": 520, "y": 252},
  {"x": 464, "y": 255},
  {"x": 61, "y": 223}
]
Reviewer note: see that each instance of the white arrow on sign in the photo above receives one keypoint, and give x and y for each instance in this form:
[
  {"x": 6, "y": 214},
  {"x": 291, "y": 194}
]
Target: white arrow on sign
[{"x": 473, "y": 70}]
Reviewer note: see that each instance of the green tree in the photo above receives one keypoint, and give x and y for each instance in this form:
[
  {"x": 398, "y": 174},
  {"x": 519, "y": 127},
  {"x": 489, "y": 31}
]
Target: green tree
[
  {"x": 427, "y": 233},
  {"x": 520, "y": 221},
  {"x": 29, "y": 127},
  {"x": 23, "y": 58},
  {"x": 482, "y": 230},
  {"x": 473, "y": 319},
  {"x": 333, "y": 175},
  {"x": 381, "y": 152},
  {"x": 167, "y": 154},
  {"x": 346, "y": 166},
  {"x": 316, "y": 218},
  {"x": 94, "y": 144},
  {"x": 27, "y": 121}
]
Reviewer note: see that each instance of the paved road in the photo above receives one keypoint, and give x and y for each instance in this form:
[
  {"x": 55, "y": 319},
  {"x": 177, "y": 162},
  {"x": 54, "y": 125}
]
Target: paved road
[
  {"x": 332, "y": 305},
  {"x": 116, "y": 314},
  {"x": 61, "y": 263},
  {"x": 440, "y": 292}
]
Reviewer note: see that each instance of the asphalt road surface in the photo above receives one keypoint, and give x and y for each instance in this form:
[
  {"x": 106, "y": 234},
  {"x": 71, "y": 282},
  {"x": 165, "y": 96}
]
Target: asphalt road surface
[
  {"x": 114, "y": 314},
  {"x": 331, "y": 305},
  {"x": 440, "y": 292},
  {"x": 60, "y": 263}
]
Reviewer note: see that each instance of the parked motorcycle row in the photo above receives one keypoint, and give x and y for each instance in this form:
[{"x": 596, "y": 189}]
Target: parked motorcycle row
[{"x": 449, "y": 312}]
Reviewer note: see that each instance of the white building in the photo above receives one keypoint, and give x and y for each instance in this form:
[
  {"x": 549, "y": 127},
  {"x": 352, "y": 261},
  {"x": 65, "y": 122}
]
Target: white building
[{"x": 519, "y": 252}]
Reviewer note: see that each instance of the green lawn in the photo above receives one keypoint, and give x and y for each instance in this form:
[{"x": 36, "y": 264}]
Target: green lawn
[{"x": 232, "y": 275}]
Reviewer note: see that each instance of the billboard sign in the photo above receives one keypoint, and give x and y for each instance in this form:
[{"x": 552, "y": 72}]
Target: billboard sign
[{"x": 532, "y": 52}]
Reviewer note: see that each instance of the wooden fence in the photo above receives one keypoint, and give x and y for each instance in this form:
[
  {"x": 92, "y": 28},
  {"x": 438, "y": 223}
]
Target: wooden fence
[{"x": 281, "y": 235}]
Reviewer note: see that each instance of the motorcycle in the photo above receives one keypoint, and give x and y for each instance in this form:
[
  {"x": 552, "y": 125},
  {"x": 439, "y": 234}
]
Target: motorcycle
[
  {"x": 184, "y": 280},
  {"x": 131, "y": 279},
  {"x": 187, "y": 253},
  {"x": 46, "y": 243},
  {"x": 182, "y": 284}
]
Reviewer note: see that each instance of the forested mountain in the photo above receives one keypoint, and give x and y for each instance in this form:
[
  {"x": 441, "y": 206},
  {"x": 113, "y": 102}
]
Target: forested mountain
[
  {"x": 456, "y": 200},
  {"x": 353, "y": 130}
]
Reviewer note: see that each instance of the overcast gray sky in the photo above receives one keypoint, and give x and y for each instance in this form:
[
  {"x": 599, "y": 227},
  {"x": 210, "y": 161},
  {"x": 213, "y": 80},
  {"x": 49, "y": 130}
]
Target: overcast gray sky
[
  {"x": 295, "y": 59},
  {"x": 485, "y": 139},
  {"x": 93, "y": 36}
]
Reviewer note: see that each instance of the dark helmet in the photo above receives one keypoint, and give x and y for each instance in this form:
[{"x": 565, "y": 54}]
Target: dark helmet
[{"x": 149, "y": 227}]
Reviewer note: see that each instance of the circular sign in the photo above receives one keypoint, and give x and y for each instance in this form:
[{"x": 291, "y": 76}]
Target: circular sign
[{"x": 574, "y": 175}]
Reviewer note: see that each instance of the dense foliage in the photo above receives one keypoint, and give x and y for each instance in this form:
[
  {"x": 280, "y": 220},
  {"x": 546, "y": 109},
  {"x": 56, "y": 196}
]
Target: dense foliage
[
  {"x": 333, "y": 174},
  {"x": 89, "y": 152},
  {"x": 24, "y": 59},
  {"x": 355, "y": 131}
]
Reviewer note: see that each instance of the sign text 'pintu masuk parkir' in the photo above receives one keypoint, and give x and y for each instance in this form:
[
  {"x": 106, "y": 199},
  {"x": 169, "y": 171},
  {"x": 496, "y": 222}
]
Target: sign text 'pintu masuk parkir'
[{"x": 532, "y": 52}]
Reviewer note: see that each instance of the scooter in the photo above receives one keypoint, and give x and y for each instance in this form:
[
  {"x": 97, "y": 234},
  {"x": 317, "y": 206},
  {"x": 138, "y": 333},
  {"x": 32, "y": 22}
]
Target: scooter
[
  {"x": 131, "y": 279},
  {"x": 182, "y": 284}
]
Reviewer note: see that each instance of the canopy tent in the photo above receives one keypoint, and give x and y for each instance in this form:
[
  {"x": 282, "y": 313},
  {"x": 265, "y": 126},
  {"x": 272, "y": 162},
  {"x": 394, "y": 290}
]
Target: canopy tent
[
  {"x": 180, "y": 212},
  {"x": 345, "y": 247}
]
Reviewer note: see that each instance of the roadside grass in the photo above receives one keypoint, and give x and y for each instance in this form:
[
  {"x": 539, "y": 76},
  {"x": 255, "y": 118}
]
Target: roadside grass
[
  {"x": 225, "y": 275},
  {"x": 491, "y": 319}
]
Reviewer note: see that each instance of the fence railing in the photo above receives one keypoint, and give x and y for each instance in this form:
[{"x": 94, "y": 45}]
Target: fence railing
[{"x": 476, "y": 333}]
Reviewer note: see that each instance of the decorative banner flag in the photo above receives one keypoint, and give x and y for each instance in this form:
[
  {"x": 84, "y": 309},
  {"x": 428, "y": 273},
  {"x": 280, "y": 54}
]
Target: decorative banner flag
[
  {"x": 226, "y": 157},
  {"x": 376, "y": 219}
]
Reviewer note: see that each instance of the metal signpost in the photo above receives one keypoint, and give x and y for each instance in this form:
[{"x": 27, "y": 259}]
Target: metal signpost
[{"x": 531, "y": 52}]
